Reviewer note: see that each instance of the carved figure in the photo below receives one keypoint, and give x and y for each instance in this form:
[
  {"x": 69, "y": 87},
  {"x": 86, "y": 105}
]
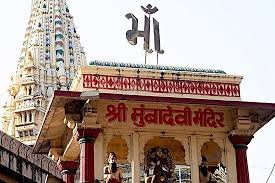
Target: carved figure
[
  {"x": 29, "y": 59},
  {"x": 112, "y": 173},
  {"x": 159, "y": 166}
]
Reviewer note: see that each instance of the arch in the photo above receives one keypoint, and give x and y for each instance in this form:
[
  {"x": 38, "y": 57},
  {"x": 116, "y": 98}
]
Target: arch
[
  {"x": 174, "y": 146},
  {"x": 118, "y": 145},
  {"x": 212, "y": 151}
]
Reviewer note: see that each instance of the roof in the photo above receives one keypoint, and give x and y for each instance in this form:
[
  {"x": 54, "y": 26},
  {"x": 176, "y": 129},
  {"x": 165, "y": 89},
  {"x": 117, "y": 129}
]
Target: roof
[
  {"x": 266, "y": 111},
  {"x": 156, "y": 67}
]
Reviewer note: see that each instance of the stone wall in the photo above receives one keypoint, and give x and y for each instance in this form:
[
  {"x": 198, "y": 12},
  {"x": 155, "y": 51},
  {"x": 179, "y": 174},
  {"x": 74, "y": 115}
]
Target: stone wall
[{"x": 18, "y": 157}]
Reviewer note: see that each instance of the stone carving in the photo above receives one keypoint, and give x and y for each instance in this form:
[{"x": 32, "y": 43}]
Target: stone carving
[
  {"x": 159, "y": 166},
  {"x": 13, "y": 90},
  {"x": 29, "y": 60},
  {"x": 112, "y": 173}
]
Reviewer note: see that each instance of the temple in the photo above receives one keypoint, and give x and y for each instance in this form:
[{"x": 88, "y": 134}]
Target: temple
[
  {"x": 120, "y": 122},
  {"x": 156, "y": 123},
  {"x": 50, "y": 57}
]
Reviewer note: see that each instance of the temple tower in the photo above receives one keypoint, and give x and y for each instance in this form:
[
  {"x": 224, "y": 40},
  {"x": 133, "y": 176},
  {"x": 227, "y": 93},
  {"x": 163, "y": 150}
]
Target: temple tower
[{"x": 50, "y": 57}]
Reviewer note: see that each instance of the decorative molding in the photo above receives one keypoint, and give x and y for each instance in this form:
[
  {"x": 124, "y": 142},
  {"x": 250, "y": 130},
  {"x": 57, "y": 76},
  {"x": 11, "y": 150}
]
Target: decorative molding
[
  {"x": 89, "y": 134},
  {"x": 240, "y": 140},
  {"x": 67, "y": 166},
  {"x": 155, "y": 67},
  {"x": 161, "y": 85}
]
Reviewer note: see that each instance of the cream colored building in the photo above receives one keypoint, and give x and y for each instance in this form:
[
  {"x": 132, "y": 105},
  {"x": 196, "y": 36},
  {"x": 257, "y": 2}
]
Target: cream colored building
[
  {"x": 133, "y": 109},
  {"x": 50, "y": 56}
]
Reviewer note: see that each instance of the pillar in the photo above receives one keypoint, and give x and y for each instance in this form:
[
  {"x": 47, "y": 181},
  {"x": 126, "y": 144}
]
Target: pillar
[
  {"x": 99, "y": 160},
  {"x": 33, "y": 116},
  {"x": 194, "y": 159},
  {"x": 23, "y": 117},
  {"x": 28, "y": 116},
  {"x": 86, "y": 138},
  {"x": 135, "y": 158},
  {"x": 240, "y": 144},
  {"x": 68, "y": 170}
]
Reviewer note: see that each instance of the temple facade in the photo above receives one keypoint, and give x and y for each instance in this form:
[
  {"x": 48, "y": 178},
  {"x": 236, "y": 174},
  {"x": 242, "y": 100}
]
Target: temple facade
[
  {"x": 50, "y": 56},
  {"x": 151, "y": 123}
]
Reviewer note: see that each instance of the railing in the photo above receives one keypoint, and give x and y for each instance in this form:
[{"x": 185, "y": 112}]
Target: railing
[
  {"x": 28, "y": 138},
  {"x": 26, "y": 104},
  {"x": 27, "y": 80}
]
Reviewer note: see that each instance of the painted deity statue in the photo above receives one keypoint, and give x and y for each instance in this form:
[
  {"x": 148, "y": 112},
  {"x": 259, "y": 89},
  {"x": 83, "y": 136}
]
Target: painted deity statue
[
  {"x": 159, "y": 166},
  {"x": 112, "y": 173},
  {"x": 205, "y": 175}
]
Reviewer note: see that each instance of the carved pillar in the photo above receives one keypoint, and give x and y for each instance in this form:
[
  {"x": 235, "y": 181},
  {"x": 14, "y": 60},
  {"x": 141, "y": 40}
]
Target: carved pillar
[
  {"x": 19, "y": 119},
  {"x": 68, "y": 170},
  {"x": 240, "y": 144},
  {"x": 33, "y": 116},
  {"x": 23, "y": 117},
  {"x": 28, "y": 116},
  {"x": 86, "y": 138}
]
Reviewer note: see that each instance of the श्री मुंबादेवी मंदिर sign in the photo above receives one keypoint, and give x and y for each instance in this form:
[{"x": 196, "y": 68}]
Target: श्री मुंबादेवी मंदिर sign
[{"x": 142, "y": 116}]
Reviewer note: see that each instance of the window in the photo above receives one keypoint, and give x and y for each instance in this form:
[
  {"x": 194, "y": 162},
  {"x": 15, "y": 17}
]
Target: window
[
  {"x": 30, "y": 116},
  {"x": 25, "y": 118},
  {"x": 30, "y": 90}
]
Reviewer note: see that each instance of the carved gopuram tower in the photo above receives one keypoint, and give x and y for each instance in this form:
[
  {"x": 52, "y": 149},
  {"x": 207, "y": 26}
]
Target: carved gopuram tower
[{"x": 50, "y": 57}]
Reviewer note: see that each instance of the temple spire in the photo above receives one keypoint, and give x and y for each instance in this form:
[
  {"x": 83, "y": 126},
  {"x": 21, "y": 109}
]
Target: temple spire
[{"x": 51, "y": 54}]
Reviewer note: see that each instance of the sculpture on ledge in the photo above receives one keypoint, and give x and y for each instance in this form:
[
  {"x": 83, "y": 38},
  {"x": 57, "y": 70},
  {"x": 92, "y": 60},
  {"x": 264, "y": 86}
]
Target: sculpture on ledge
[
  {"x": 112, "y": 173},
  {"x": 205, "y": 175},
  {"x": 159, "y": 166}
]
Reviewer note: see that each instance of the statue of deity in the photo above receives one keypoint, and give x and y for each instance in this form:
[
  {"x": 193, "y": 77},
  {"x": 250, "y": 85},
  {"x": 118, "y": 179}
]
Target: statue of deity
[
  {"x": 205, "y": 175},
  {"x": 112, "y": 173},
  {"x": 159, "y": 166},
  {"x": 29, "y": 59}
]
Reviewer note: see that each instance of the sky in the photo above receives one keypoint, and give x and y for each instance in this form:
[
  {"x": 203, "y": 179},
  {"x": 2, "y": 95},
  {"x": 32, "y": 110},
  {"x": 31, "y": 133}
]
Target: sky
[{"x": 235, "y": 36}]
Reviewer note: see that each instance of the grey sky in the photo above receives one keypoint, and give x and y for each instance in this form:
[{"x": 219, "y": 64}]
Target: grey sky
[{"x": 237, "y": 36}]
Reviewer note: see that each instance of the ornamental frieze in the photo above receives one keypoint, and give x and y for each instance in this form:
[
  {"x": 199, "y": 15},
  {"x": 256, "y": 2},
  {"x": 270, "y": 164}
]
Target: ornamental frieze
[{"x": 161, "y": 85}]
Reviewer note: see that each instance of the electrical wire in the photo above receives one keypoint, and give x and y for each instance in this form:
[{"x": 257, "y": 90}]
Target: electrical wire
[{"x": 270, "y": 173}]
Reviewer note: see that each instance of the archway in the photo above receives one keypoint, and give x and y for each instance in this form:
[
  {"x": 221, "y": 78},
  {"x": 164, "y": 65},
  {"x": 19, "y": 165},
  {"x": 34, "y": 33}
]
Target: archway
[
  {"x": 211, "y": 167},
  {"x": 170, "y": 155},
  {"x": 119, "y": 146}
]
